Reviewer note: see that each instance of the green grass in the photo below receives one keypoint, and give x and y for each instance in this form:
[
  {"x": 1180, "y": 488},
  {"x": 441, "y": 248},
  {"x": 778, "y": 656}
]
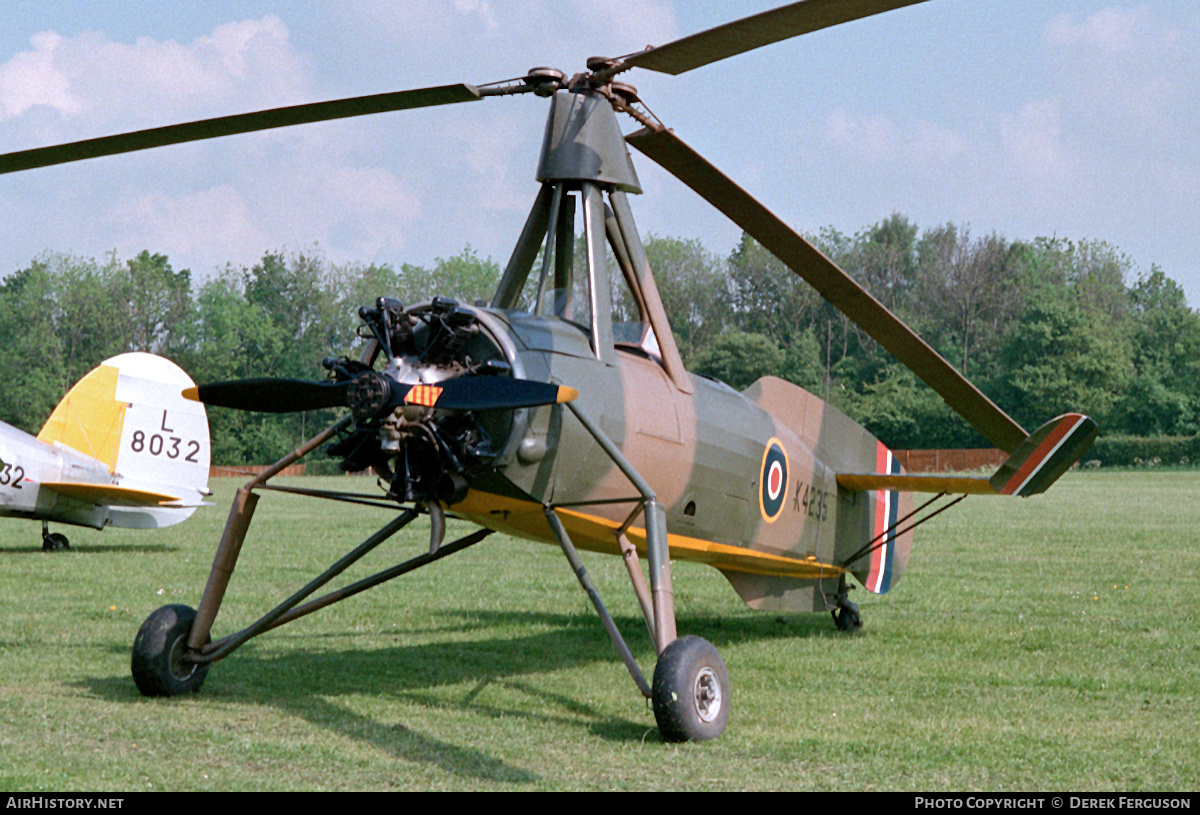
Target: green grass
[{"x": 1042, "y": 644}]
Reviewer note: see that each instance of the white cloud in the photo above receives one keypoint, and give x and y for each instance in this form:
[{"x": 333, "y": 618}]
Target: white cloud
[
  {"x": 1128, "y": 72},
  {"x": 214, "y": 225},
  {"x": 91, "y": 79},
  {"x": 30, "y": 78},
  {"x": 485, "y": 41},
  {"x": 479, "y": 8},
  {"x": 372, "y": 210},
  {"x": 935, "y": 145},
  {"x": 879, "y": 138},
  {"x": 1033, "y": 141},
  {"x": 1112, "y": 30}
]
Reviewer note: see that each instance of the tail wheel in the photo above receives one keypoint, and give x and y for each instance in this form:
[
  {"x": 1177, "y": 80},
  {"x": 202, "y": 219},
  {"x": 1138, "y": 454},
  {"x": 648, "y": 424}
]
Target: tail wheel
[
  {"x": 847, "y": 618},
  {"x": 55, "y": 542},
  {"x": 158, "y": 666},
  {"x": 691, "y": 693}
]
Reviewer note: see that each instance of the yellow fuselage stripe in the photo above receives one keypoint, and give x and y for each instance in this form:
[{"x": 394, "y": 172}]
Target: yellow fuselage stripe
[{"x": 597, "y": 534}]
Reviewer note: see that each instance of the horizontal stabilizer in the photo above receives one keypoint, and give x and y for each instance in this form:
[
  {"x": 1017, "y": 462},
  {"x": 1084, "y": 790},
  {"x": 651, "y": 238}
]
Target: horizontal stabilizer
[
  {"x": 904, "y": 482},
  {"x": 1036, "y": 464},
  {"x": 109, "y": 494}
]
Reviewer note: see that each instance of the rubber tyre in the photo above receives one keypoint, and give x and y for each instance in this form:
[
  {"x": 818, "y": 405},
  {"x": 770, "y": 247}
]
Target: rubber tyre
[
  {"x": 157, "y": 665},
  {"x": 55, "y": 542},
  {"x": 847, "y": 618},
  {"x": 691, "y": 694}
]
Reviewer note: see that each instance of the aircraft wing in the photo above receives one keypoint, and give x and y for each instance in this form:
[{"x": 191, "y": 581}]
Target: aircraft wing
[
  {"x": 1037, "y": 463},
  {"x": 109, "y": 494}
]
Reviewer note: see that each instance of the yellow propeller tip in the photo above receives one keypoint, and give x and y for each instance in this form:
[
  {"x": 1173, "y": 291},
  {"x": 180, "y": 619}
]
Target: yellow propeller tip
[
  {"x": 566, "y": 394},
  {"x": 192, "y": 393}
]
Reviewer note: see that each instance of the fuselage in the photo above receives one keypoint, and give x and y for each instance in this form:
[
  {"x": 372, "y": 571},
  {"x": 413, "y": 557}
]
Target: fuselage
[
  {"x": 744, "y": 489},
  {"x": 29, "y": 463}
]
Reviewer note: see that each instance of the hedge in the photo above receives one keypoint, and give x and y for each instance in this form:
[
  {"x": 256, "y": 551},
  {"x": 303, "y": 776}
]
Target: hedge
[{"x": 1134, "y": 451}]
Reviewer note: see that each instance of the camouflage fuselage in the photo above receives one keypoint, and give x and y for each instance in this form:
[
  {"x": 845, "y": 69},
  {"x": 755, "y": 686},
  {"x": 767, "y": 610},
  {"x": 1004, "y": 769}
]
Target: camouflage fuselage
[{"x": 747, "y": 479}]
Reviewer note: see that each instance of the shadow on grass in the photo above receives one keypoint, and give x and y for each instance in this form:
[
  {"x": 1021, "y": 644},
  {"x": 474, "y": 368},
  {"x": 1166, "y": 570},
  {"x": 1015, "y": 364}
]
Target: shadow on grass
[
  {"x": 90, "y": 549},
  {"x": 302, "y": 681}
]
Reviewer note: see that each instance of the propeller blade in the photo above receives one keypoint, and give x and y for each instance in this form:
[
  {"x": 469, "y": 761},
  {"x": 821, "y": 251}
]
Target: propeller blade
[
  {"x": 753, "y": 32},
  {"x": 267, "y": 395},
  {"x": 238, "y": 123},
  {"x": 488, "y": 393},
  {"x": 677, "y": 158}
]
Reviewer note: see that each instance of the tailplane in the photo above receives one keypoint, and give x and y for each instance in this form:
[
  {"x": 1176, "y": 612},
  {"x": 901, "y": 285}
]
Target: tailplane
[{"x": 1037, "y": 463}]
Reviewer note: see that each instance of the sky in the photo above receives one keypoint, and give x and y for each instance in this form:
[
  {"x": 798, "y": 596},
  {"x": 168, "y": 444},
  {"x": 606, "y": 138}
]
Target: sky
[{"x": 1076, "y": 119}]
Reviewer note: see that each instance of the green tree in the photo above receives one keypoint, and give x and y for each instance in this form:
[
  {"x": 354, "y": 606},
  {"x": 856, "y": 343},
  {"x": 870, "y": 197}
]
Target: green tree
[
  {"x": 32, "y": 357},
  {"x": 767, "y": 297},
  {"x": 965, "y": 296},
  {"x": 465, "y": 277},
  {"x": 739, "y": 359},
  {"x": 1063, "y": 358},
  {"x": 694, "y": 291},
  {"x": 1164, "y": 395},
  {"x": 154, "y": 303}
]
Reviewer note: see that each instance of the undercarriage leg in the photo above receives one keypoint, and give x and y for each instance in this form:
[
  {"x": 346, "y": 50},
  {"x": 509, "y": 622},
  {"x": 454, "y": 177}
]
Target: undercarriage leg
[
  {"x": 586, "y": 581},
  {"x": 846, "y": 616}
]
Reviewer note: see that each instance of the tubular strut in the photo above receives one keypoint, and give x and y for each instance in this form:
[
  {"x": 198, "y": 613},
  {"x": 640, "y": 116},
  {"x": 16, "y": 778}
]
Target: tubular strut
[
  {"x": 658, "y": 605},
  {"x": 240, "y": 515}
]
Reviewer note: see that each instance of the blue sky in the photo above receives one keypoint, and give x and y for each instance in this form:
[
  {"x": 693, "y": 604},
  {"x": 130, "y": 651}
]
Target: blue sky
[{"x": 1071, "y": 118}]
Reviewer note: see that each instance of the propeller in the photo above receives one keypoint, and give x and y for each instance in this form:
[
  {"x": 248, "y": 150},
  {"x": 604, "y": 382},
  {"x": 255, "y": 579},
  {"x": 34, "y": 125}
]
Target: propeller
[
  {"x": 371, "y": 394},
  {"x": 756, "y": 31},
  {"x": 677, "y": 158}
]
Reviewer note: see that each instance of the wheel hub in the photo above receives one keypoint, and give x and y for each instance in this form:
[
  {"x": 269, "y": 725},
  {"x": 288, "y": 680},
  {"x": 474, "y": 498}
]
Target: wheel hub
[
  {"x": 706, "y": 694},
  {"x": 180, "y": 668}
]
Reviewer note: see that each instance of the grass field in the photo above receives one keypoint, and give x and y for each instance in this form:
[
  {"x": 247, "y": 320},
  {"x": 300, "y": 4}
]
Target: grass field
[{"x": 1047, "y": 644}]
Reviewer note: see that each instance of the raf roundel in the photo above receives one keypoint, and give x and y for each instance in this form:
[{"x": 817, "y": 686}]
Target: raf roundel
[{"x": 773, "y": 481}]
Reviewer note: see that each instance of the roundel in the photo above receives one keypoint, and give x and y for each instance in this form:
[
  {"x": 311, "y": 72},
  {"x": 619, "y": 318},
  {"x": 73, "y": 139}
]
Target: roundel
[{"x": 773, "y": 481}]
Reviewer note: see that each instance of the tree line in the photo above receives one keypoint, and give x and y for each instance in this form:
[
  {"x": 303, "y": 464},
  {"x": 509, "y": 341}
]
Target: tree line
[{"x": 1042, "y": 327}]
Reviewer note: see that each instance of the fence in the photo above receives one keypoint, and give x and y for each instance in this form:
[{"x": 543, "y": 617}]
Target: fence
[{"x": 939, "y": 461}]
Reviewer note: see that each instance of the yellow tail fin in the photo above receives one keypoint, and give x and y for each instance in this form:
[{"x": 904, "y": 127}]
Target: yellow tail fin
[{"x": 89, "y": 418}]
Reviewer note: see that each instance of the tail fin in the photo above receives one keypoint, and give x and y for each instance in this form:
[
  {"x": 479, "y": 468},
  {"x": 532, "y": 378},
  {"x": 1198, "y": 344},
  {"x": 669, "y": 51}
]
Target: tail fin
[
  {"x": 1037, "y": 463},
  {"x": 129, "y": 414},
  {"x": 1045, "y": 455}
]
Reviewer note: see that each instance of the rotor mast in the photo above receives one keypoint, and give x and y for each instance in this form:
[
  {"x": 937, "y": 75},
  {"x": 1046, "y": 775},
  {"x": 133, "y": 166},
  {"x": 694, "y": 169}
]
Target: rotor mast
[{"x": 584, "y": 152}]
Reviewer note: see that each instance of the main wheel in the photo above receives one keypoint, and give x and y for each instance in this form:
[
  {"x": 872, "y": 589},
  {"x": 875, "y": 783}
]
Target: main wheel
[
  {"x": 55, "y": 542},
  {"x": 158, "y": 665},
  {"x": 691, "y": 692}
]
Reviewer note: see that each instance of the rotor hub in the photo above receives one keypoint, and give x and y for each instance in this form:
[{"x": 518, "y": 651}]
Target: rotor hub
[{"x": 544, "y": 81}]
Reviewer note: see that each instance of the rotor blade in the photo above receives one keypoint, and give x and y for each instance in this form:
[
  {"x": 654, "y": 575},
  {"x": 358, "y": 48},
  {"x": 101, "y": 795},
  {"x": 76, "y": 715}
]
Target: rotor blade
[
  {"x": 831, "y": 282},
  {"x": 753, "y": 32},
  {"x": 268, "y": 395},
  {"x": 238, "y": 123},
  {"x": 488, "y": 393}
]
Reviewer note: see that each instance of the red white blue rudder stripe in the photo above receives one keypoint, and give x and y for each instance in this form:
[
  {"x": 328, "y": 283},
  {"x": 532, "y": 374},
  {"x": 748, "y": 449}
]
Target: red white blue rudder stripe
[{"x": 887, "y": 510}]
